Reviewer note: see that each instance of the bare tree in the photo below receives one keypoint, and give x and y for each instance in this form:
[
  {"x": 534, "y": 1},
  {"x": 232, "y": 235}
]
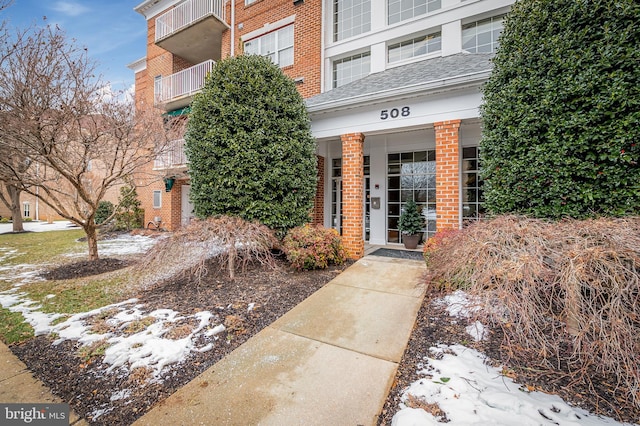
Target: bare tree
[
  {"x": 12, "y": 166},
  {"x": 57, "y": 114}
]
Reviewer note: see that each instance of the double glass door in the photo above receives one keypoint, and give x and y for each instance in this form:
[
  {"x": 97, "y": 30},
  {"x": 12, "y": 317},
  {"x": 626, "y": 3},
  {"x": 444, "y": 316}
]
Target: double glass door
[{"x": 411, "y": 176}]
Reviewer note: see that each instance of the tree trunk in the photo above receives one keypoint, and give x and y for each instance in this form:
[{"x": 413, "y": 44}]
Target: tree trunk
[
  {"x": 16, "y": 212},
  {"x": 92, "y": 241}
]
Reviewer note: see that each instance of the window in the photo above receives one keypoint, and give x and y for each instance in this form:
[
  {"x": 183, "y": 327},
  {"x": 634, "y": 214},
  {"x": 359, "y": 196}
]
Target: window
[
  {"x": 350, "y": 69},
  {"x": 482, "y": 36},
  {"x": 26, "y": 210},
  {"x": 472, "y": 194},
  {"x": 411, "y": 176},
  {"x": 157, "y": 199},
  {"x": 418, "y": 46},
  {"x": 248, "y": 2},
  {"x": 157, "y": 88},
  {"x": 350, "y": 18},
  {"x": 276, "y": 45},
  {"x": 401, "y": 10}
]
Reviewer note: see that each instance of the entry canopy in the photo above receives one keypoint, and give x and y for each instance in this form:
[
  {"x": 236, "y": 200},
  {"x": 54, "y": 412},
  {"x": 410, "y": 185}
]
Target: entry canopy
[{"x": 178, "y": 112}]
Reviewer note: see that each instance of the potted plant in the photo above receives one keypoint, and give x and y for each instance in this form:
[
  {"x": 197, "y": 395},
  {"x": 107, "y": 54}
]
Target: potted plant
[{"x": 410, "y": 224}]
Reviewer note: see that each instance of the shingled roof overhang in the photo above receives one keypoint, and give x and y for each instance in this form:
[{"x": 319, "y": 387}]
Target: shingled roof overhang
[{"x": 415, "y": 79}]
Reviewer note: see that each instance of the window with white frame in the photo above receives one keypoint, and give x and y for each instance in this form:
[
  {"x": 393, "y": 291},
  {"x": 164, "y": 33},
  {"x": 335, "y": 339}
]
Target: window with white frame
[
  {"x": 401, "y": 10},
  {"x": 472, "y": 186},
  {"x": 418, "y": 46},
  {"x": 482, "y": 36},
  {"x": 248, "y": 2},
  {"x": 157, "y": 199},
  {"x": 350, "y": 18},
  {"x": 26, "y": 209},
  {"x": 276, "y": 45},
  {"x": 350, "y": 69}
]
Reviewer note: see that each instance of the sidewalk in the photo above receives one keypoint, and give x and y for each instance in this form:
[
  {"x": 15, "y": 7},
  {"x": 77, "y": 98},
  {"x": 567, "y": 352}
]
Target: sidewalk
[
  {"x": 40, "y": 226},
  {"x": 331, "y": 360},
  {"x": 19, "y": 386}
]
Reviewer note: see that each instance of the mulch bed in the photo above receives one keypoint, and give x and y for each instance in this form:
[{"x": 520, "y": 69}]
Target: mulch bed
[
  {"x": 85, "y": 268},
  {"x": 435, "y": 326},
  {"x": 274, "y": 292},
  {"x": 83, "y": 382}
]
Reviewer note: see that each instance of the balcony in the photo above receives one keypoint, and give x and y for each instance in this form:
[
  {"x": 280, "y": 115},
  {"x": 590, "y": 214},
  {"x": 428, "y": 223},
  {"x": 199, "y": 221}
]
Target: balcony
[
  {"x": 193, "y": 30},
  {"x": 173, "y": 157},
  {"x": 176, "y": 90}
]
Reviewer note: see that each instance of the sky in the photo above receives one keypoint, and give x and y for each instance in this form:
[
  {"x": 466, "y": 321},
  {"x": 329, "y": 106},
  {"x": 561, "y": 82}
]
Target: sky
[{"x": 113, "y": 33}]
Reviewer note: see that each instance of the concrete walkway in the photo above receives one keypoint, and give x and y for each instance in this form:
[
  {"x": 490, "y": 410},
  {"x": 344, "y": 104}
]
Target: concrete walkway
[
  {"x": 17, "y": 385},
  {"x": 331, "y": 360}
]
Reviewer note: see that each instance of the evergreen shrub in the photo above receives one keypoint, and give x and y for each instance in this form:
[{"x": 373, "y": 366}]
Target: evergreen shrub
[{"x": 561, "y": 113}]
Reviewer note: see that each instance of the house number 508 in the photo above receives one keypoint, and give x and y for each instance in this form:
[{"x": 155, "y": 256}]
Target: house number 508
[{"x": 395, "y": 113}]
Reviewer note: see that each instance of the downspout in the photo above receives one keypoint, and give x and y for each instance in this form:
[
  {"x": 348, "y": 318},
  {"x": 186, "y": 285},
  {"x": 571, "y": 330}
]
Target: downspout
[
  {"x": 233, "y": 27},
  {"x": 322, "y": 37}
]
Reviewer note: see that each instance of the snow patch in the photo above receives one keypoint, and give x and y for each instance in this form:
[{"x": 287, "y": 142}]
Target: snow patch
[
  {"x": 471, "y": 392},
  {"x": 477, "y": 330}
]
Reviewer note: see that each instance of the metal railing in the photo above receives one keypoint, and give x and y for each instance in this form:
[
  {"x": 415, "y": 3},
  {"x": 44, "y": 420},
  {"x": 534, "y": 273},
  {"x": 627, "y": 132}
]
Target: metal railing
[
  {"x": 182, "y": 83},
  {"x": 186, "y": 14},
  {"x": 172, "y": 156}
]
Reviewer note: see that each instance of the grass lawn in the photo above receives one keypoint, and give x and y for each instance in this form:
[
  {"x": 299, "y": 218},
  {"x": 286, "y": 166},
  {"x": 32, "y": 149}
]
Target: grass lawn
[
  {"x": 40, "y": 247},
  {"x": 65, "y": 296}
]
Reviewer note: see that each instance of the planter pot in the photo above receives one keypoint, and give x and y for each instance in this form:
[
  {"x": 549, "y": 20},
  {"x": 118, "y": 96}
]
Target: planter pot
[{"x": 411, "y": 241}]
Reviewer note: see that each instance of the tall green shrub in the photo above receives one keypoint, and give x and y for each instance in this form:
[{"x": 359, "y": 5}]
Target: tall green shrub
[
  {"x": 249, "y": 145},
  {"x": 561, "y": 110}
]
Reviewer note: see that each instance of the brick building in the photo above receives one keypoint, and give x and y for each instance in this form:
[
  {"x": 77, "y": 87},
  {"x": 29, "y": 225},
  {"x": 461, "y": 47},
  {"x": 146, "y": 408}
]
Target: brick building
[{"x": 392, "y": 88}]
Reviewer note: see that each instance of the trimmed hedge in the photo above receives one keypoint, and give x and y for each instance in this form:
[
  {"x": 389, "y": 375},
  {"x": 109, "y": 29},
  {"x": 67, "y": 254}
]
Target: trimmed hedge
[
  {"x": 249, "y": 145},
  {"x": 561, "y": 111}
]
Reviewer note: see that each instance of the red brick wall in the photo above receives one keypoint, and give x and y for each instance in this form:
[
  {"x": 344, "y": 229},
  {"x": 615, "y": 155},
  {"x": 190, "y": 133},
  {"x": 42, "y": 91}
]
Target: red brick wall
[
  {"x": 307, "y": 35},
  {"x": 353, "y": 194},
  {"x": 447, "y": 174},
  {"x": 307, "y": 64}
]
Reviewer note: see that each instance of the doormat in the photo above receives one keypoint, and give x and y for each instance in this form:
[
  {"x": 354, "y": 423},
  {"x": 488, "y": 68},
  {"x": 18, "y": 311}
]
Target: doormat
[{"x": 399, "y": 254}]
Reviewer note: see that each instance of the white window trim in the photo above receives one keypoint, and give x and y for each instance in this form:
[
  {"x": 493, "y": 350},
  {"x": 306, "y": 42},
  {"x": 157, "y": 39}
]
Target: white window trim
[
  {"x": 334, "y": 35},
  {"x": 416, "y": 17},
  {"x": 159, "y": 205},
  {"x": 413, "y": 58},
  {"x": 350, "y": 57},
  {"x": 491, "y": 18},
  {"x": 26, "y": 209},
  {"x": 276, "y": 59},
  {"x": 268, "y": 27}
]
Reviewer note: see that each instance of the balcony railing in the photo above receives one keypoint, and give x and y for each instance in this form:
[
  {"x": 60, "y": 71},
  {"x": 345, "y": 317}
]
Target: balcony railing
[
  {"x": 181, "y": 84},
  {"x": 173, "y": 156},
  {"x": 186, "y": 14}
]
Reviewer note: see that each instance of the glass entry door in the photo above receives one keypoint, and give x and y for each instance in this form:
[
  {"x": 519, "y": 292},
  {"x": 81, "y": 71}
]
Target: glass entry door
[{"x": 411, "y": 176}]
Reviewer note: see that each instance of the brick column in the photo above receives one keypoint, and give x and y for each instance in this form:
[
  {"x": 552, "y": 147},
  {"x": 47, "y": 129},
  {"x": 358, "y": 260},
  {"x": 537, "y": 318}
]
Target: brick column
[
  {"x": 447, "y": 174},
  {"x": 353, "y": 194},
  {"x": 175, "y": 198},
  {"x": 317, "y": 217}
]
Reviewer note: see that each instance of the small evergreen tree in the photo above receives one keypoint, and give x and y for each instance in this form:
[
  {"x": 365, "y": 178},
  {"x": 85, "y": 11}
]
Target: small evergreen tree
[
  {"x": 411, "y": 221},
  {"x": 103, "y": 212},
  {"x": 561, "y": 110},
  {"x": 249, "y": 145},
  {"x": 129, "y": 215}
]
